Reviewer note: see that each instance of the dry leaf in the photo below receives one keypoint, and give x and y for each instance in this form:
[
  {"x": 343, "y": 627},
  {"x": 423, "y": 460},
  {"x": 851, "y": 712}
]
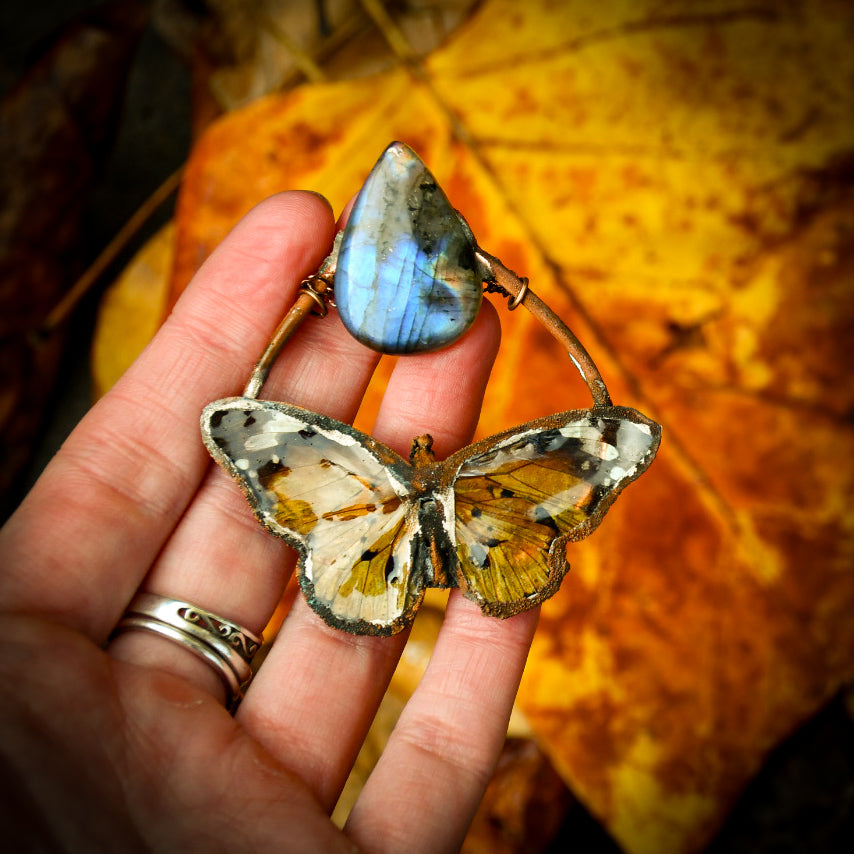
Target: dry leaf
[
  {"x": 56, "y": 127},
  {"x": 242, "y": 50},
  {"x": 676, "y": 181},
  {"x": 524, "y": 805}
]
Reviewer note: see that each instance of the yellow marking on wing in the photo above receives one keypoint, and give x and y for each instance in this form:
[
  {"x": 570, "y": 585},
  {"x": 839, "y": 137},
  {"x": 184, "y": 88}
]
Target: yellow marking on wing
[
  {"x": 510, "y": 574},
  {"x": 295, "y": 515},
  {"x": 510, "y": 516},
  {"x": 347, "y": 514},
  {"x": 356, "y": 511},
  {"x": 368, "y": 575}
]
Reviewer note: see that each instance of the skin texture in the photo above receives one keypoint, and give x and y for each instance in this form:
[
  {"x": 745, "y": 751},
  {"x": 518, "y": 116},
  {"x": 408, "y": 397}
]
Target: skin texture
[{"x": 129, "y": 748}]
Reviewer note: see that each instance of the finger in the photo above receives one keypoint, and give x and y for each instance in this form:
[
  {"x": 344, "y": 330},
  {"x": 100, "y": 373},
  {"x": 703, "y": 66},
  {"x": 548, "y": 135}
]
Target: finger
[
  {"x": 316, "y": 694},
  {"x": 219, "y": 558},
  {"x": 86, "y": 535},
  {"x": 444, "y": 747},
  {"x": 440, "y": 393},
  {"x": 100, "y": 758}
]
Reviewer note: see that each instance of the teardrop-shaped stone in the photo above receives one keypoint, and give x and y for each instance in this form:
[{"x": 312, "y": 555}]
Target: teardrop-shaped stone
[{"x": 406, "y": 279}]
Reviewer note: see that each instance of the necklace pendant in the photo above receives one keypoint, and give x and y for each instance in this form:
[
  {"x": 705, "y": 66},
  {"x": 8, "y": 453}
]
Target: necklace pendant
[
  {"x": 406, "y": 279},
  {"x": 374, "y": 530}
]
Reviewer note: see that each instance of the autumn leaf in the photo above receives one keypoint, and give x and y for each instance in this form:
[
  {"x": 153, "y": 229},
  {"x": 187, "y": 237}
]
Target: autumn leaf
[
  {"x": 57, "y": 124},
  {"x": 132, "y": 309},
  {"x": 676, "y": 181},
  {"x": 524, "y": 805}
]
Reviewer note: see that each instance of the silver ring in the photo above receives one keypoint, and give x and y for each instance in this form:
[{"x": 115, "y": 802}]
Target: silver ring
[{"x": 226, "y": 646}]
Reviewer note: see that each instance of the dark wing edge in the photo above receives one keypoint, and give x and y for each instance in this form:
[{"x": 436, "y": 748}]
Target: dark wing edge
[
  {"x": 393, "y": 461},
  {"x": 360, "y": 627},
  {"x": 400, "y": 467}
]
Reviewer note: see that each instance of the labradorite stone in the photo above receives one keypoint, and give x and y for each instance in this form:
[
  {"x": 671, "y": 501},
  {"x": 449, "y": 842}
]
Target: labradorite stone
[{"x": 405, "y": 280}]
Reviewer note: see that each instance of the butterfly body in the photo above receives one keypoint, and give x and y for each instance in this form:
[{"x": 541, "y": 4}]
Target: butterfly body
[{"x": 374, "y": 531}]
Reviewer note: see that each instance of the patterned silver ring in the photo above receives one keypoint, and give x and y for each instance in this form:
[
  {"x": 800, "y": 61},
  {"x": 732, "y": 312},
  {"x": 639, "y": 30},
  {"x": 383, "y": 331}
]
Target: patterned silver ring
[{"x": 226, "y": 646}]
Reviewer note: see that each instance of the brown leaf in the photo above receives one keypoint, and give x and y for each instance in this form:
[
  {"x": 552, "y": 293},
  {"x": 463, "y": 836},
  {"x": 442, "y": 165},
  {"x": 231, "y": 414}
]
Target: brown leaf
[
  {"x": 241, "y": 51},
  {"x": 56, "y": 126},
  {"x": 524, "y": 805}
]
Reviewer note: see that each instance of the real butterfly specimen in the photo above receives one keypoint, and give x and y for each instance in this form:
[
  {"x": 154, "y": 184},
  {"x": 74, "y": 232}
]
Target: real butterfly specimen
[{"x": 374, "y": 530}]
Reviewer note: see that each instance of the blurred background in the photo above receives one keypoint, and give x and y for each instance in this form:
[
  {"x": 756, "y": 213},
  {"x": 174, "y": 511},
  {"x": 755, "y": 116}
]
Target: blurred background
[{"x": 677, "y": 179}]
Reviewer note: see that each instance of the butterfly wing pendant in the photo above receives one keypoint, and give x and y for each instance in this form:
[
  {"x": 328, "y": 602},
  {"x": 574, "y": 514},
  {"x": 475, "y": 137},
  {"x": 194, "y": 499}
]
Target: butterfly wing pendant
[{"x": 374, "y": 531}]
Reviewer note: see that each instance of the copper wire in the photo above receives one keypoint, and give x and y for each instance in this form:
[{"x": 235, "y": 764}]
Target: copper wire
[{"x": 315, "y": 295}]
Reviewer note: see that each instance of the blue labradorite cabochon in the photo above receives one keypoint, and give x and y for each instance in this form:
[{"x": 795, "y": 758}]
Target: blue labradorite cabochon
[{"x": 406, "y": 279}]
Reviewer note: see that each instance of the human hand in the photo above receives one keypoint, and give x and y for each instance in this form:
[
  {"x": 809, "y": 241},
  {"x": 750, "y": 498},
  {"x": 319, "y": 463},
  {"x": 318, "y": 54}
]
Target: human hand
[{"x": 131, "y": 748}]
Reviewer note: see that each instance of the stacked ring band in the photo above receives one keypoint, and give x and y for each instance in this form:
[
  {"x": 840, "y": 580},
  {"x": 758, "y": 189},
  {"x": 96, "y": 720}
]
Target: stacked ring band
[{"x": 226, "y": 646}]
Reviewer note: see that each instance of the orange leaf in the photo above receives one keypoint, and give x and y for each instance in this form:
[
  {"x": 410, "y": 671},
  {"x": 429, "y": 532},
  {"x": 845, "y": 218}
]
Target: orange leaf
[
  {"x": 675, "y": 180},
  {"x": 131, "y": 310}
]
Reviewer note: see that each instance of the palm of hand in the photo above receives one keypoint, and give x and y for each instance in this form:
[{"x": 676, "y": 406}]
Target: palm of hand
[
  {"x": 131, "y": 748},
  {"x": 137, "y": 758}
]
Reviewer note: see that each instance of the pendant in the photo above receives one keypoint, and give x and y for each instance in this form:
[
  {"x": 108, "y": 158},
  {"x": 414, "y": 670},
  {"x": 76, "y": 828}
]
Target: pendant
[
  {"x": 374, "y": 530},
  {"x": 406, "y": 278}
]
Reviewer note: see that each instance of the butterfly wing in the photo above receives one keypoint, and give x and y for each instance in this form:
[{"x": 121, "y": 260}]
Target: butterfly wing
[
  {"x": 337, "y": 496},
  {"x": 519, "y": 497}
]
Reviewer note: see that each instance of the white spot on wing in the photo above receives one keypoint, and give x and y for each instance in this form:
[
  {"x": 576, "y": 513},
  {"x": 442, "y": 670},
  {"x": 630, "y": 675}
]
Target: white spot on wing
[
  {"x": 633, "y": 440},
  {"x": 261, "y": 441}
]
